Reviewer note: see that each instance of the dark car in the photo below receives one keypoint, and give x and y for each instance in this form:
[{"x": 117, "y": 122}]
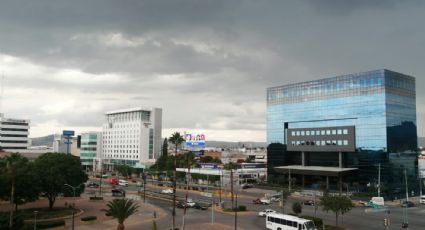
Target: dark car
[
  {"x": 118, "y": 192},
  {"x": 407, "y": 204},
  {"x": 309, "y": 202},
  {"x": 92, "y": 185},
  {"x": 200, "y": 207},
  {"x": 245, "y": 186},
  {"x": 181, "y": 205}
]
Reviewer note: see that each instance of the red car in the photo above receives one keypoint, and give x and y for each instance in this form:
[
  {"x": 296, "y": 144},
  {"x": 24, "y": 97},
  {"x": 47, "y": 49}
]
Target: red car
[{"x": 113, "y": 181}]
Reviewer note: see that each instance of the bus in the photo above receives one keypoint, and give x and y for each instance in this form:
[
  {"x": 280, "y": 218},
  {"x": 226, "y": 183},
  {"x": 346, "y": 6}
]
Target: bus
[{"x": 278, "y": 221}]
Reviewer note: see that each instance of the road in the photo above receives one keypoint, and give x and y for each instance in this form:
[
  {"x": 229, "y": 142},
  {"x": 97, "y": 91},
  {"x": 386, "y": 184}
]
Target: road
[{"x": 357, "y": 218}]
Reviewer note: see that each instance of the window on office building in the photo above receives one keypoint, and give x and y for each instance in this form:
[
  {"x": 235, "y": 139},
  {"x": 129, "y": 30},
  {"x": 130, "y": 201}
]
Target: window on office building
[
  {"x": 345, "y": 142},
  {"x": 307, "y": 133},
  {"x": 328, "y": 132},
  {"x": 333, "y": 132},
  {"x": 345, "y": 131},
  {"x": 302, "y": 133},
  {"x": 339, "y": 131}
]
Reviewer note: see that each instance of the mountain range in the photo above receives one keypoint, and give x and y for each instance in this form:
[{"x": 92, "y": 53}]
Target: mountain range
[{"x": 48, "y": 141}]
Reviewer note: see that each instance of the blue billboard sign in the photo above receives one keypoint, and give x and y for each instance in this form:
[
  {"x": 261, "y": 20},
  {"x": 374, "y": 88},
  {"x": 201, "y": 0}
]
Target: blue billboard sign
[{"x": 68, "y": 133}]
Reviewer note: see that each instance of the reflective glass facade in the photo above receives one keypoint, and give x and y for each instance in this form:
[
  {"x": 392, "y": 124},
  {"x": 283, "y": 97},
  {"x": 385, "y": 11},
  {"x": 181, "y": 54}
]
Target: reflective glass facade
[{"x": 381, "y": 105}]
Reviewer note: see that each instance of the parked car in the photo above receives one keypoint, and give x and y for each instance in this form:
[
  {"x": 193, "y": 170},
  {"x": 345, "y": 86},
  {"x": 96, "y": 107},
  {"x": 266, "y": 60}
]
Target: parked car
[
  {"x": 118, "y": 192},
  {"x": 92, "y": 185},
  {"x": 167, "y": 191},
  {"x": 407, "y": 204},
  {"x": 266, "y": 212},
  {"x": 309, "y": 202},
  {"x": 200, "y": 207},
  {"x": 123, "y": 183}
]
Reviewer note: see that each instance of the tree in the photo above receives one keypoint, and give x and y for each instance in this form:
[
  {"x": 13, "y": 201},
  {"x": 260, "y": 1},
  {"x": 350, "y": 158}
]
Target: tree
[
  {"x": 165, "y": 148},
  {"x": 12, "y": 168},
  {"x": 206, "y": 159},
  {"x": 56, "y": 169},
  {"x": 297, "y": 208},
  {"x": 336, "y": 204},
  {"x": 124, "y": 170},
  {"x": 177, "y": 140},
  {"x": 121, "y": 209}
]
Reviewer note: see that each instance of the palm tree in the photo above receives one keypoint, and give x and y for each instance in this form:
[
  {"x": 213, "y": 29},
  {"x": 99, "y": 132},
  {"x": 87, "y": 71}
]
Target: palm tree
[
  {"x": 176, "y": 139},
  {"x": 121, "y": 209}
]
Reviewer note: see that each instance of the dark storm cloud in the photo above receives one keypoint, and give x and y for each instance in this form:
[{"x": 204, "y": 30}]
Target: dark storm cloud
[{"x": 207, "y": 63}]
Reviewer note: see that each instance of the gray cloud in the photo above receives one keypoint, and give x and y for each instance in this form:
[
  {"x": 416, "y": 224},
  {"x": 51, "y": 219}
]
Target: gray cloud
[{"x": 207, "y": 63}]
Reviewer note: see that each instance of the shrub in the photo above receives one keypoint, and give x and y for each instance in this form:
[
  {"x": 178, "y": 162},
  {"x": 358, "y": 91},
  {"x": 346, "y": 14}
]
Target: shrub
[
  {"x": 50, "y": 224},
  {"x": 242, "y": 208},
  {"x": 18, "y": 221},
  {"x": 318, "y": 222},
  {"x": 88, "y": 218}
]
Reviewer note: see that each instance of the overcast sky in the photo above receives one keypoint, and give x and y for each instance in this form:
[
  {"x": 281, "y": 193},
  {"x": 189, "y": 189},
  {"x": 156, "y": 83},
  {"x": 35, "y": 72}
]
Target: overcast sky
[{"x": 207, "y": 63}]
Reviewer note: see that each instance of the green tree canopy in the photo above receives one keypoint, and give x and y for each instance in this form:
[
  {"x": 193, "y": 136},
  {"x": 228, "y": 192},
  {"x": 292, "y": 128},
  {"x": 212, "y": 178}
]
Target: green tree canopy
[
  {"x": 165, "y": 148},
  {"x": 336, "y": 204},
  {"x": 124, "y": 170},
  {"x": 56, "y": 169},
  {"x": 121, "y": 209}
]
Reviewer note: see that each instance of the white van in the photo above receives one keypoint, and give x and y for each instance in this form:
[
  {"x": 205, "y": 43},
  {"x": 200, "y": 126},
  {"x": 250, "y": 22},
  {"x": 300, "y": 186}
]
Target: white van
[
  {"x": 377, "y": 201},
  {"x": 422, "y": 200}
]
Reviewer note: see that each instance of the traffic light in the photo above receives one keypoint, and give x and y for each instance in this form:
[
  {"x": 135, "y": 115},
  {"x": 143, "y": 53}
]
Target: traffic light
[
  {"x": 386, "y": 222},
  {"x": 404, "y": 225}
]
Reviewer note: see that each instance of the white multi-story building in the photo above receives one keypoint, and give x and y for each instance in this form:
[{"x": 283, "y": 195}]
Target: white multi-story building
[
  {"x": 132, "y": 137},
  {"x": 14, "y": 134}
]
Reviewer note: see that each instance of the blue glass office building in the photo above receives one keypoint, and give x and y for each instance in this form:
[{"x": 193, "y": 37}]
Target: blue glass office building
[{"x": 379, "y": 105}]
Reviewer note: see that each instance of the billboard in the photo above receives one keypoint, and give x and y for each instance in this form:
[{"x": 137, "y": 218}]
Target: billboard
[
  {"x": 194, "y": 140},
  {"x": 68, "y": 133},
  {"x": 421, "y": 166}
]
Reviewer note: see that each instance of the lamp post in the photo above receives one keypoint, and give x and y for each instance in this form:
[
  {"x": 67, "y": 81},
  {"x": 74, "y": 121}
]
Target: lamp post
[
  {"x": 35, "y": 220},
  {"x": 73, "y": 206}
]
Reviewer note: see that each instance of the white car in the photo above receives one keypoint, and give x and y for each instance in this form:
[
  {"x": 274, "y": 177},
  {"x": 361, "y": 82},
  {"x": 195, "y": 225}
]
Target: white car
[
  {"x": 422, "y": 200},
  {"x": 190, "y": 203},
  {"x": 167, "y": 191},
  {"x": 123, "y": 183},
  {"x": 266, "y": 212},
  {"x": 265, "y": 201}
]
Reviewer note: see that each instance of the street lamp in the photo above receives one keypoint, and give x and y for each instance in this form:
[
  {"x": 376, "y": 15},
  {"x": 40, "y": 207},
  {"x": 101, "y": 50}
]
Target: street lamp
[
  {"x": 73, "y": 206},
  {"x": 35, "y": 220}
]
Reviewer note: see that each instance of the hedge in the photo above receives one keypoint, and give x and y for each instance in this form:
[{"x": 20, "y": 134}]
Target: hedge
[
  {"x": 18, "y": 222},
  {"x": 239, "y": 209},
  {"x": 96, "y": 198},
  {"x": 50, "y": 224},
  {"x": 88, "y": 218}
]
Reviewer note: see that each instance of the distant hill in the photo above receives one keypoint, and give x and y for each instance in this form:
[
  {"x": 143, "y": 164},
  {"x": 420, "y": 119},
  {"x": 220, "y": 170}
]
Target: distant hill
[
  {"x": 421, "y": 141},
  {"x": 225, "y": 144},
  {"x": 46, "y": 140}
]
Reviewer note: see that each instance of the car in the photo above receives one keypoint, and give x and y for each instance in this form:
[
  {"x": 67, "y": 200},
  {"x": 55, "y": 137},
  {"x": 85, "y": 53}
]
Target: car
[
  {"x": 113, "y": 181},
  {"x": 422, "y": 200},
  {"x": 118, "y": 192},
  {"x": 167, "y": 191},
  {"x": 265, "y": 201},
  {"x": 200, "y": 207},
  {"x": 181, "y": 205},
  {"x": 266, "y": 212},
  {"x": 407, "y": 204},
  {"x": 245, "y": 186},
  {"x": 92, "y": 185},
  {"x": 261, "y": 201},
  {"x": 309, "y": 202},
  {"x": 123, "y": 183},
  {"x": 190, "y": 203},
  {"x": 139, "y": 184}
]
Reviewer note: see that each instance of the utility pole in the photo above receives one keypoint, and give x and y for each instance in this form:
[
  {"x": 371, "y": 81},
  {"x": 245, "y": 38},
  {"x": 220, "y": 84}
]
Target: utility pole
[
  {"x": 236, "y": 212},
  {"x": 289, "y": 180},
  {"x": 231, "y": 187},
  {"x": 407, "y": 189},
  {"x": 379, "y": 180}
]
